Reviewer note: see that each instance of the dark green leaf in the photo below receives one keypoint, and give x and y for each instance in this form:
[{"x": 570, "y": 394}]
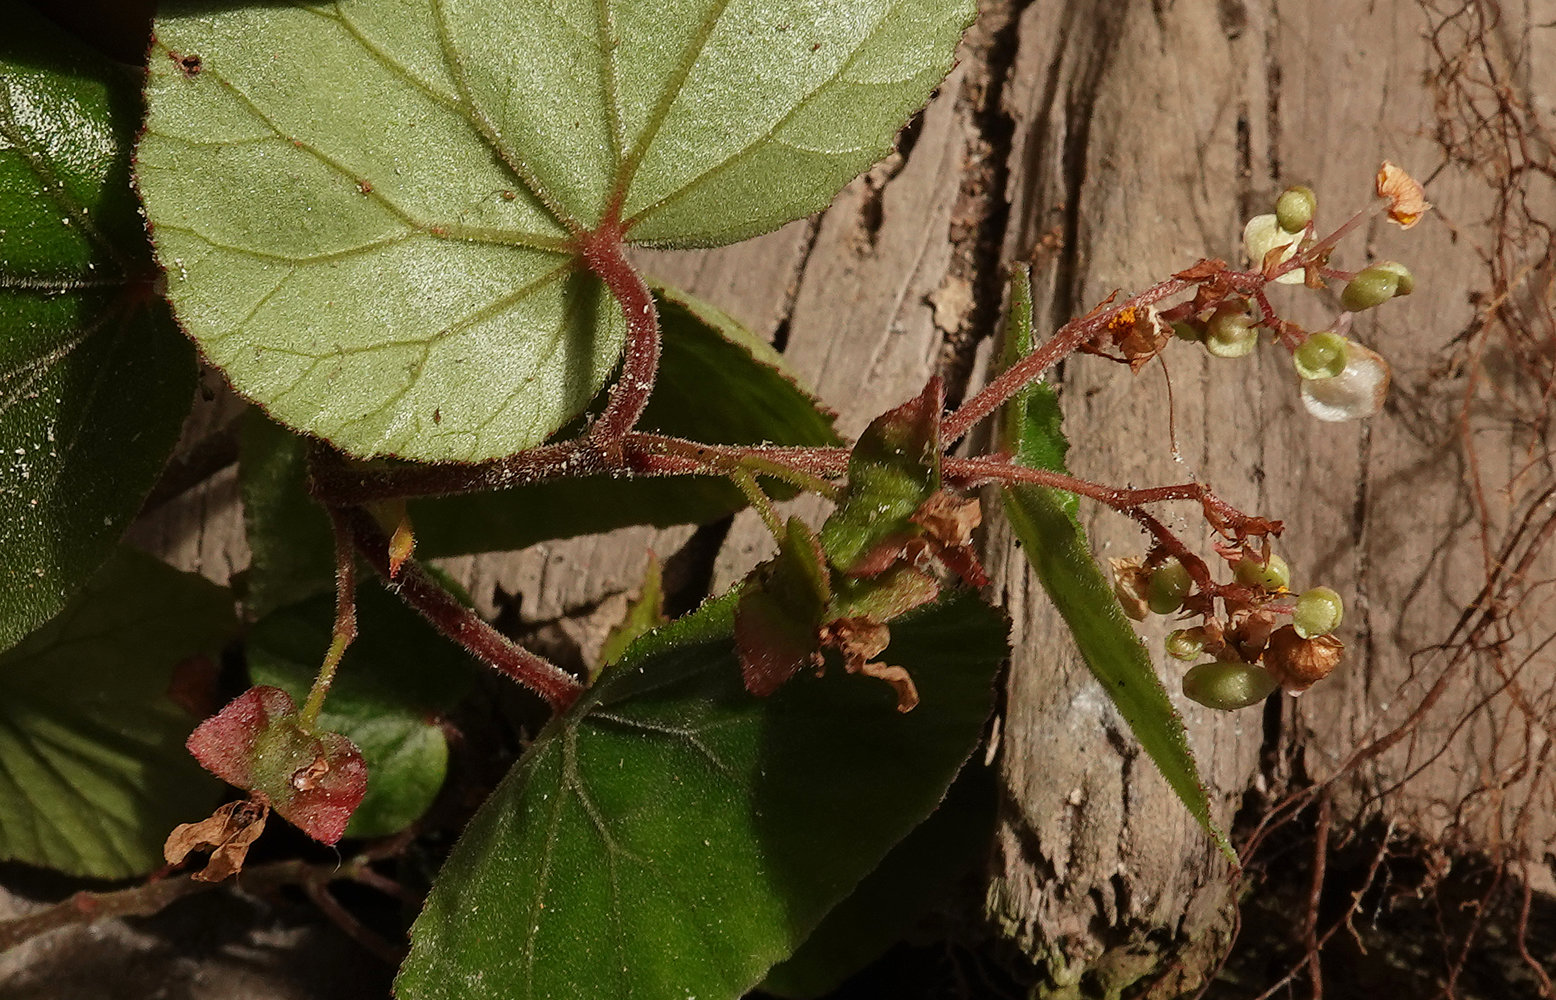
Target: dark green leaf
[
  {"x": 910, "y": 880},
  {"x": 394, "y": 682},
  {"x": 368, "y": 209},
  {"x": 1056, "y": 547},
  {"x": 93, "y": 771},
  {"x": 673, "y": 836},
  {"x": 95, "y": 379}
]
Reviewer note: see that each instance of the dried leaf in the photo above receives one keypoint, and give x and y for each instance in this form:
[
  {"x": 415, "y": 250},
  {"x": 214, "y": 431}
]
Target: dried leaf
[
  {"x": 860, "y": 639},
  {"x": 949, "y": 521},
  {"x": 227, "y": 833}
]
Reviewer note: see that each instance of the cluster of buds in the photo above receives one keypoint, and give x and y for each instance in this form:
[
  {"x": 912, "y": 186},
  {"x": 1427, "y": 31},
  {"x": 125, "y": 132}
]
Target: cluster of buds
[
  {"x": 1267, "y": 639},
  {"x": 1341, "y": 379}
]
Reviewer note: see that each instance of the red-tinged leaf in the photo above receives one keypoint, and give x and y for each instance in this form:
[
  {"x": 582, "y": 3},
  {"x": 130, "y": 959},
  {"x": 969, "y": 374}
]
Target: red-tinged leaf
[
  {"x": 314, "y": 780},
  {"x": 779, "y": 613}
]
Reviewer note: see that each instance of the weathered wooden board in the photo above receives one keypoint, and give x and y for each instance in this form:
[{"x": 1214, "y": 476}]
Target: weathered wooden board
[{"x": 1112, "y": 143}]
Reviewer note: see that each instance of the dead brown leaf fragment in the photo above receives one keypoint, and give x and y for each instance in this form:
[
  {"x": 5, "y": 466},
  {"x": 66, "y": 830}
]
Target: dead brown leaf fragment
[
  {"x": 862, "y": 639},
  {"x": 227, "y": 834},
  {"x": 1407, "y": 198}
]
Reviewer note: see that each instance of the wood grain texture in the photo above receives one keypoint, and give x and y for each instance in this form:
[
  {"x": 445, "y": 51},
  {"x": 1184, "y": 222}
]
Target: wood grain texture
[{"x": 1112, "y": 143}]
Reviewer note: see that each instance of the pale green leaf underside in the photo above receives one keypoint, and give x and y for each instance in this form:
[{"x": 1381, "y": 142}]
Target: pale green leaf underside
[{"x": 365, "y": 208}]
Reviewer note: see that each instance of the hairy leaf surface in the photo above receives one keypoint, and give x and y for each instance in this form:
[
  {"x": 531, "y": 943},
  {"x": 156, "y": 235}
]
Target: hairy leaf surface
[
  {"x": 672, "y": 836},
  {"x": 368, "y": 209},
  {"x": 95, "y": 379}
]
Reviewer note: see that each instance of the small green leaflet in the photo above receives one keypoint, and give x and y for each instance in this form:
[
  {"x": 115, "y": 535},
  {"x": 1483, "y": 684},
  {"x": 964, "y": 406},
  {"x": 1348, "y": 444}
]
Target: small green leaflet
[
  {"x": 95, "y": 379},
  {"x": 368, "y": 209},
  {"x": 93, "y": 770},
  {"x": 1055, "y": 545},
  {"x": 671, "y": 836}
]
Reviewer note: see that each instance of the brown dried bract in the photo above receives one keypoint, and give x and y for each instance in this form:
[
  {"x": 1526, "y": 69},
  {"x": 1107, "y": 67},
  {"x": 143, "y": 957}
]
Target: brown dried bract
[
  {"x": 1300, "y": 663},
  {"x": 1407, "y": 198},
  {"x": 860, "y": 639},
  {"x": 948, "y": 521},
  {"x": 227, "y": 833}
]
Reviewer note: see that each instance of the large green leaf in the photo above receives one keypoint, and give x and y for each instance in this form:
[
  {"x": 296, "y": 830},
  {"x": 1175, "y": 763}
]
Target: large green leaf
[
  {"x": 394, "y": 682},
  {"x": 1055, "y": 545},
  {"x": 718, "y": 383},
  {"x": 673, "y": 836},
  {"x": 93, "y": 770},
  {"x": 95, "y": 379},
  {"x": 367, "y": 208}
]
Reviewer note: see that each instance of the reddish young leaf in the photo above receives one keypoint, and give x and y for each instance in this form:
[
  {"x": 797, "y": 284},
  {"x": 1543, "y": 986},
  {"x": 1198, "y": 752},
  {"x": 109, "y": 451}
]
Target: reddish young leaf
[
  {"x": 778, "y": 616},
  {"x": 314, "y": 780}
]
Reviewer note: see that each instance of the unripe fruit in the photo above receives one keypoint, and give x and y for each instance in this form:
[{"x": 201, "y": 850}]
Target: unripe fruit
[
  {"x": 1294, "y": 208},
  {"x": 1185, "y": 644},
  {"x": 1231, "y": 333},
  {"x": 1170, "y": 584},
  {"x": 1274, "y": 575},
  {"x": 1323, "y": 355},
  {"x": 1372, "y": 287},
  {"x": 1407, "y": 281},
  {"x": 1227, "y": 686},
  {"x": 1318, "y": 612}
]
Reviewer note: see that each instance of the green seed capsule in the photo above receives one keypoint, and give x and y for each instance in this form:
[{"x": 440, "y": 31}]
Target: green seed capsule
[
  {"x": 1407, "y": 281},
  {"x": 1184, "y": 644},
  {"x": 1274, "y": 575},
  {"x": 1318, "y": 612},
  {"x": 1294, "y": 208},
  {"x": 1323, "y": 355},
  {"x": 1231, "y": 334},
  {"x": 1170, "y": 584},
  {"x": 1227, "y": 686},
  {"x": 1372, "y": 287}
]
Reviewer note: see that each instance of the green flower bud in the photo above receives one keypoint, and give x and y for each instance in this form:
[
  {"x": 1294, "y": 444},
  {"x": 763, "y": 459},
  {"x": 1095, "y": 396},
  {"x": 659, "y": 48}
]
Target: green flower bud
[
  {"x": 1231, "y": 333},
  {"x": 1372, "y": 287},
  {"x": 1294, "y": 208},
  {"x": 1189, "y": 330},
  {"x": 1185, "y": 644},
  {"x": 1323, "y": 355},
  {"x": 1318, "y": 612},
  {"x": 1407, "y": 281},
  {"x": 1274, "y": 575},
  {"x": 1227, "y": 686},
  {"x": 1170, "y": 584}
]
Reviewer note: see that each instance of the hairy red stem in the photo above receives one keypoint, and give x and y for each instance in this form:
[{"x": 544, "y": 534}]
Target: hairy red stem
[
  {"x": 605, "y": 253},
  {"x": 459, "y": 623}
]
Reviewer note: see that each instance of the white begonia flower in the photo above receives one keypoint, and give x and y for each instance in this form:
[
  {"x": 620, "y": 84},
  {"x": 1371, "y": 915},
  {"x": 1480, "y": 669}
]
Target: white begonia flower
[
  {"x": 1263, "y": 234},
  {"x": 1357, "y": 392}
]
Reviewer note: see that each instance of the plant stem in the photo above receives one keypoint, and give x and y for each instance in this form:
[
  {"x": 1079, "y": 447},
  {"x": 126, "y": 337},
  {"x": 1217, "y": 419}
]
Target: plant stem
[
  {"x": 1073, "y": 335},
  {"x": 345, "y": 630},
  {"x": 154, "y": 896},
  {"x": 459, "y": 623},
  {"x": 605, "y": 253}
]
